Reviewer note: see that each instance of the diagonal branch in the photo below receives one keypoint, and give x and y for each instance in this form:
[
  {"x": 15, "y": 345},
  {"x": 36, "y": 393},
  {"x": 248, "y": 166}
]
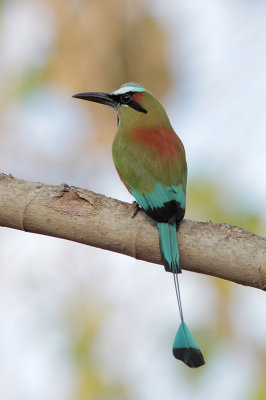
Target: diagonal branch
[{"x": 80, "y": 215}]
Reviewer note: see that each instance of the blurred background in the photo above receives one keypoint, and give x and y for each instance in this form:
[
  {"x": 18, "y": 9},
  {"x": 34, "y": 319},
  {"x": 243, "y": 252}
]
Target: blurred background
[{"x": 81, "y": 323}]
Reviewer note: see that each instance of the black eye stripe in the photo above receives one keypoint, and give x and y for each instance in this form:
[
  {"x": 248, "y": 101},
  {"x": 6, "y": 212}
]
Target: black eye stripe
[
  {"x": 125, "y": 98},
  {"x": 137, "y": 107}
]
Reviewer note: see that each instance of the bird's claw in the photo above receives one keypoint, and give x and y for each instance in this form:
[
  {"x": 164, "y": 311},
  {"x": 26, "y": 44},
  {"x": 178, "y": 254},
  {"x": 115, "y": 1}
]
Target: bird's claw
[{"x": 136, "y": 209}]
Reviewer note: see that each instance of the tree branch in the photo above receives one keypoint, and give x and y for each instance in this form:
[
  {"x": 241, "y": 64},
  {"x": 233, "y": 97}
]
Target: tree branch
[{"x": 80, "y": 215}]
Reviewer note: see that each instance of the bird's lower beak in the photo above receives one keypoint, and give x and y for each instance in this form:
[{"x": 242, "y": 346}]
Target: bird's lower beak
[{"x": 98, "y": 97}]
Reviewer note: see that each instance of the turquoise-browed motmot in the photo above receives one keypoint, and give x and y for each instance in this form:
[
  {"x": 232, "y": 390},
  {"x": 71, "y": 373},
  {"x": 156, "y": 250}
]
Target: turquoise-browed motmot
[{"x": 150, "y": 160}]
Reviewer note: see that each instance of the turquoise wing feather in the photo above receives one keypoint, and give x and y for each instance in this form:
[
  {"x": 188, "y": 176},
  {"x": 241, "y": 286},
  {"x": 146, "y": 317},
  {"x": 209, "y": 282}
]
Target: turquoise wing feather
[{"x": 159, "y": 196}]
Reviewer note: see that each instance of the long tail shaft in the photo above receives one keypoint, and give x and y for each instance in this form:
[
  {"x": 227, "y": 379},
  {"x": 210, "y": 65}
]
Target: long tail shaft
[{"x": 185, "y": 347}]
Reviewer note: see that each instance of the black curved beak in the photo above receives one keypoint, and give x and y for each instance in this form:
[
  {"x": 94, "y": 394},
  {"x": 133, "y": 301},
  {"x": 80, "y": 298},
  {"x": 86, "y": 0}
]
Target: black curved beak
[{"x": 98, "y": 97}]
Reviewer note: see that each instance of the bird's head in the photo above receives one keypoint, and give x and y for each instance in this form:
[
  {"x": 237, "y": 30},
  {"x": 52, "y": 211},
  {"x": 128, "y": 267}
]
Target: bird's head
[{"x": 131, "y": 101}]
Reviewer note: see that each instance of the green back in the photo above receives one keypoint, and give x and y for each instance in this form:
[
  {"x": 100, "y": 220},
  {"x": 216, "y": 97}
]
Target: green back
[{"x": 159, "y": 158}]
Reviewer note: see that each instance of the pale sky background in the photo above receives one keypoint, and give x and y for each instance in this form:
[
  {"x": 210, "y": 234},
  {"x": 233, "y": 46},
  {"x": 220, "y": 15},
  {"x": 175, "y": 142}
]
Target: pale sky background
[{"x": 219, "y": 112}]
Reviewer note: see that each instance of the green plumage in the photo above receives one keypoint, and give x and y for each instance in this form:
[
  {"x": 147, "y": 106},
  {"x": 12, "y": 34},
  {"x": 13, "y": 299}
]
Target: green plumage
[
  {"x": 150, "y": 159},
  {"x": 140, "y": 164}
]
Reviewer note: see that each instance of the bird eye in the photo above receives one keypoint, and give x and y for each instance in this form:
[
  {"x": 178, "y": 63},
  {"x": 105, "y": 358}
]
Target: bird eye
[{"x": 125, "y": 98}]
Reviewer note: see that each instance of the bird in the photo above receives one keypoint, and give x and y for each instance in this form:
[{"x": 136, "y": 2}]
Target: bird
[{"x": 151, "y": 162}]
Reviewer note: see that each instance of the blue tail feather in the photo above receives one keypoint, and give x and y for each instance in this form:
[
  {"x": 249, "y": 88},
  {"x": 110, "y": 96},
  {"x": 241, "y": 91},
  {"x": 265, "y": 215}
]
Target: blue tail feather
[
  {"x": 170, "y": 257},
  {"x": 185, "y": 348}
]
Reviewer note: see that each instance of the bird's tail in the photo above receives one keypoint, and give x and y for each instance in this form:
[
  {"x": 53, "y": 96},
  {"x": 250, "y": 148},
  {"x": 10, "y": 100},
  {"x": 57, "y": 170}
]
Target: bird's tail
[
  {"x": 185, "y": 348},
  {"x": 169, "y": 246}
]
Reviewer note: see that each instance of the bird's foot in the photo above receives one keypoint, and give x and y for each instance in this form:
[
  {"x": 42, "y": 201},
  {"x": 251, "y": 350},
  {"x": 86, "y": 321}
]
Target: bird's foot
[{"x": 136, "y": 209}]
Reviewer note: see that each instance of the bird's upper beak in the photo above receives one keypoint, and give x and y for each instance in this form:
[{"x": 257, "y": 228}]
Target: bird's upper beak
[{"x": 98, "y": 97}]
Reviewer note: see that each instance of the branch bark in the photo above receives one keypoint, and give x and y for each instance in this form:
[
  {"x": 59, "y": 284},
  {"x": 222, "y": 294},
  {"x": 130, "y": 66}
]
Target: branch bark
[{"x": 82, "y": 216}]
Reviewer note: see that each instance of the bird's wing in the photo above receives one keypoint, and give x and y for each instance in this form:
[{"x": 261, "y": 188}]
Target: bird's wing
[{"x": 155, "y": 183}]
